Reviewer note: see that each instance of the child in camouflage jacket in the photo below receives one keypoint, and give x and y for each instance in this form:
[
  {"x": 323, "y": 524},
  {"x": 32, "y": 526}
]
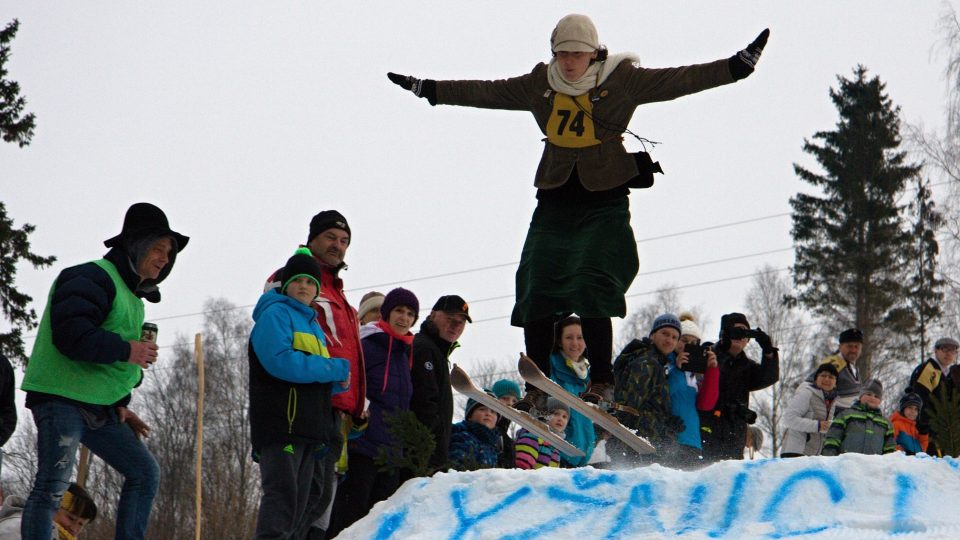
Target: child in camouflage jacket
[{"x": 641, "y": 394}]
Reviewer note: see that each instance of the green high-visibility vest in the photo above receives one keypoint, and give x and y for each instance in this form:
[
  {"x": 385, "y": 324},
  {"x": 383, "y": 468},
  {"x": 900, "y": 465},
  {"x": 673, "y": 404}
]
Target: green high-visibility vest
[{"x": 51, "y": 372}]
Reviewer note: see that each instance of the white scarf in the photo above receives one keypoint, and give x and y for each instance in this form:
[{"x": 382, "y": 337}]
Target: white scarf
[
  {"x": 578, "y": 366},
  {"x": 595, "y": 75}
]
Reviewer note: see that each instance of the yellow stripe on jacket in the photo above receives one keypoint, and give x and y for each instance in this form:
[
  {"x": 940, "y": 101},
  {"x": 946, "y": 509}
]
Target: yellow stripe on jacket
[{"x": 309, "y": 343}]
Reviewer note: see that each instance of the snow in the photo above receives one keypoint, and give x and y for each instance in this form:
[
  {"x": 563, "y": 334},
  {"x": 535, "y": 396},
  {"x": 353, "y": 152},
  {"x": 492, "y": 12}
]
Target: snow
[{"x": 850, "y": 497}]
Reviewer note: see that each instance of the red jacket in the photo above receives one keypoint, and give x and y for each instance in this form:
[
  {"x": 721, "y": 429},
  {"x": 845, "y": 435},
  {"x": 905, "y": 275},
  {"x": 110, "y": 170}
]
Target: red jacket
[
  {"x": 342, "y": 330},
  {"x": 709, "y": 390}
]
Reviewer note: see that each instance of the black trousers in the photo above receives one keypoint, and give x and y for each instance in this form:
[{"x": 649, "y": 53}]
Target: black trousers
[{"x": 363, "y": 487}]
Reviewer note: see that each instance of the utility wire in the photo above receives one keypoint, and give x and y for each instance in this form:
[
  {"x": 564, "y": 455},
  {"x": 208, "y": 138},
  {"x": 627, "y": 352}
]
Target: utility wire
[{"x": 502, "y": 265}]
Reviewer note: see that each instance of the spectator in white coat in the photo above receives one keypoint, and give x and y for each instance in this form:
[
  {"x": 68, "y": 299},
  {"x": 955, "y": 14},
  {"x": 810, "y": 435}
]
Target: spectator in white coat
[{"x": 809, "y": 414}]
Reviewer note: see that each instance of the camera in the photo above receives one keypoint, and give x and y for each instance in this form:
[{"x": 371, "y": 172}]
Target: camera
[
  {"x": 743, "y": 412},
  {"x": 741, "y": 333},
  {"x": 696, "y": 357}
]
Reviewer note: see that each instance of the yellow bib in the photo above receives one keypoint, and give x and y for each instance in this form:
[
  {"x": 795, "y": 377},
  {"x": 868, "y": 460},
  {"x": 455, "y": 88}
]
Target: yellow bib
[
  {"x": 570, "y": 125},
  {"x": 930, "y": 377},
  {"x": 837, "y": 361}
]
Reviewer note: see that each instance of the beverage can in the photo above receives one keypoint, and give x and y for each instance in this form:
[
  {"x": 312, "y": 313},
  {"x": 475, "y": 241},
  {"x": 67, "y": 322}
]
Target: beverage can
[{"x": 148, "y": 332}]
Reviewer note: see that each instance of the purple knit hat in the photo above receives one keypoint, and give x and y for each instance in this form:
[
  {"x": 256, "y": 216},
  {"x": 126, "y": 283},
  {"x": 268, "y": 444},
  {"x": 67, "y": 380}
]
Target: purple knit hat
[{"x": 399, "y": 297}]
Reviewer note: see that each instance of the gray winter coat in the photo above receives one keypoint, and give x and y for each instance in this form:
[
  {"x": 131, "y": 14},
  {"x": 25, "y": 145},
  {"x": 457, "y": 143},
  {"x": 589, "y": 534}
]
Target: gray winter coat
[{"x": 802, "y": 421}]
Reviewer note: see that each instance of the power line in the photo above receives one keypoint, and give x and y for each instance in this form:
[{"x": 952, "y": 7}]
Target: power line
[
  {"x": 675, "y": 288},
  {"x": 662, "y": 270},
  {"x": 513, "y": 263},
  {"x": 503, "y": 265},
  {"x": 482, "y": 268},
  {"x": 502, "y": 317}
]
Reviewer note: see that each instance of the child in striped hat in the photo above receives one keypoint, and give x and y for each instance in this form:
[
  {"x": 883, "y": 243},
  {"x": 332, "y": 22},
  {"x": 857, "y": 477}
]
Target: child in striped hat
[{"x": 534, "y": 452}]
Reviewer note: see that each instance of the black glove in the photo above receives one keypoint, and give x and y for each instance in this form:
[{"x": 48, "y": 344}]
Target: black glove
[
  {"x": 424, "y": 88},
  {"x": 675, "y": 424},
  {"x": 763, "y": 340},
  {"x": 742, "y": 63}
]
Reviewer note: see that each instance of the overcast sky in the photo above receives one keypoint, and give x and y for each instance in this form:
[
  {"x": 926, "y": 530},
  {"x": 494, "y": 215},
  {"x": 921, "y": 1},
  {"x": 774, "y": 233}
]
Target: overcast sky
[{"x": 243, "y": 119}]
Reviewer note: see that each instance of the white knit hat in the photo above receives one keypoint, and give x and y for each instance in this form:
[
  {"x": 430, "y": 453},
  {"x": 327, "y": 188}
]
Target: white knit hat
[
  {"x": 688, "y": 327},
  {"x": 575, "y": 33}
]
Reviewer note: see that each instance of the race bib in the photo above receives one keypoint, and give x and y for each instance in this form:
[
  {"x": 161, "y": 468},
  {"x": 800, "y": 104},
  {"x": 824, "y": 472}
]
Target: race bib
[
  {"x": 930, "y": 377},
  {"x": 571, "y": 123}
]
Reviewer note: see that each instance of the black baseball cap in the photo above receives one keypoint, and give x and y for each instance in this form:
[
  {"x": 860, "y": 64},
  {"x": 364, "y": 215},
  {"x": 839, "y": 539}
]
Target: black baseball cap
[{"x": 453, "y": 304}]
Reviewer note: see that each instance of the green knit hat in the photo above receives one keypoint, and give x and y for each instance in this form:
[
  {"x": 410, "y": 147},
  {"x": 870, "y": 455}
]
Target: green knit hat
[{"x": 301, "y": 264}]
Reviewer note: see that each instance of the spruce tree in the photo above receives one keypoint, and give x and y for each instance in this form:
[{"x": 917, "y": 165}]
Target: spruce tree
[
  {"x": 14, "y": 243},
  {"x": 852, "y": 241},
  {"x": 924, "y": 285},
  {"x": 14, "y": 125},
  {"x": 413, "y": 444},
  {"x": 14, "y": 247}
]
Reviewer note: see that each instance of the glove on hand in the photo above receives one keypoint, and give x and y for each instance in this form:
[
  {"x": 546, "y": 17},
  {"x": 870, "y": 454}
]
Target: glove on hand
[
  {"x": 743, "y": 63},
  {"x": 423, "y": 88},
  {"x": 763, "y": 340}
]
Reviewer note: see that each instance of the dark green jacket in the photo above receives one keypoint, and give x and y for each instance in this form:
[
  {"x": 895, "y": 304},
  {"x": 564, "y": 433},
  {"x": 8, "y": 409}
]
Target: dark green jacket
[{"x": 859, "y": 429}]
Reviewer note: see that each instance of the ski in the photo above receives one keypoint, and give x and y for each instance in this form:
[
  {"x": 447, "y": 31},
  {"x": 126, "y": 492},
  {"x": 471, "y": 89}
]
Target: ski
[
  {"x": 532, "y": 374},
  {"x": 461, "y": 382}
]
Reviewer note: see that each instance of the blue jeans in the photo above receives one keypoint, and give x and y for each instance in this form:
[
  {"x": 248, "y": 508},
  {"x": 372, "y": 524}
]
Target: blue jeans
[{"x": 60, "y": 428}]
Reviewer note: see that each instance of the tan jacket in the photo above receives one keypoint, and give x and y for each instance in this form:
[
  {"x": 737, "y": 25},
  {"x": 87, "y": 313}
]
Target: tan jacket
[{"x": 602, "y": 166}]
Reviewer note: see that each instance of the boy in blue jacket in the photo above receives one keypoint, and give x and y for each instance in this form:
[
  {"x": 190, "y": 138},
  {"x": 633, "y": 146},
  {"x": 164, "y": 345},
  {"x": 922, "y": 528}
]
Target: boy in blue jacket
[{"x": 292, "y": 378}]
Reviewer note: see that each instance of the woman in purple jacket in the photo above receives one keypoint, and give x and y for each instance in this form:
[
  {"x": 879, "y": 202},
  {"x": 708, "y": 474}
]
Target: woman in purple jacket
[{"x": 388, "y": 355}]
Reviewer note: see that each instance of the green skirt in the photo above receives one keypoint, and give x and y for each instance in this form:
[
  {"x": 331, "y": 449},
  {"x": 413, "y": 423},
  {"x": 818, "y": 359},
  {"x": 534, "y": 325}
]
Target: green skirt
[{"x": 577, "y": 258}]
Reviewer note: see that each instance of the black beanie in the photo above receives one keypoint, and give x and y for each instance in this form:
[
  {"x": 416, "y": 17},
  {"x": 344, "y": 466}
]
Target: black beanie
[
  {"x": 828, "y": 367},
  {"x": 851, "y": 335},
  {"x": 727, "y": 321},
  {"x": 302, "y": 263},
  {"x": 327, "y": 219},
  {"x": 910, "y": 398}
]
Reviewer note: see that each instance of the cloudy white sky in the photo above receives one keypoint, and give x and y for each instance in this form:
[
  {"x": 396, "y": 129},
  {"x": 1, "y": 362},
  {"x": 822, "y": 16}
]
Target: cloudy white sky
[{"x": 243, "y": 119}]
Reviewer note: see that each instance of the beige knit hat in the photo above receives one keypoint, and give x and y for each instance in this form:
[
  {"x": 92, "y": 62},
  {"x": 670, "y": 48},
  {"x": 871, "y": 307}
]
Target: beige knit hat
[
  {"x": 575, "y": 33},
  {"x": 370, "y": 301}
]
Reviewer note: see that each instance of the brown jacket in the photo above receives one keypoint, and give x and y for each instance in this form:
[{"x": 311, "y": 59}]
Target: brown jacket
[{"x": 602, "y": 166}]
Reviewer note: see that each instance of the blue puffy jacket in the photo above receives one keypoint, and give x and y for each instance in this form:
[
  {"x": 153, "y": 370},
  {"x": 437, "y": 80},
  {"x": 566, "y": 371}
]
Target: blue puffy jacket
[
  {"x": 292, "y": 376},
  {"x": 473, "y": 446}
]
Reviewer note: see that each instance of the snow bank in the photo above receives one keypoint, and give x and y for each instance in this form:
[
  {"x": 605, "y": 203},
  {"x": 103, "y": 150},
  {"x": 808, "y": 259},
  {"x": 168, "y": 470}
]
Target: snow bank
[{"x": 850, "y": 496}]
